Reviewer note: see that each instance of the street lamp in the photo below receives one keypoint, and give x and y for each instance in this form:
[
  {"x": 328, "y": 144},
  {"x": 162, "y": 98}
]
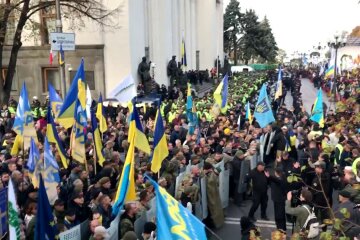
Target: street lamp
[{"x": 336, "y": 44}]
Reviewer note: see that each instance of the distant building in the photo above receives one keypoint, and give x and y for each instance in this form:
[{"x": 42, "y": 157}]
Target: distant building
[{"x": 151, "y": 28}]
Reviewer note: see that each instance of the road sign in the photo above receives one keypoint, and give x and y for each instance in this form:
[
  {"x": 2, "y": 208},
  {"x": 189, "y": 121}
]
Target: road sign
[{"x": 67, "y": 40}]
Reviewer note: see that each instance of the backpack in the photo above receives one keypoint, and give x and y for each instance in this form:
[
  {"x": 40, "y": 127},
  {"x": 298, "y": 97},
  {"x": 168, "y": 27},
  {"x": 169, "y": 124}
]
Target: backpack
[{"x": 311, "y": 224}]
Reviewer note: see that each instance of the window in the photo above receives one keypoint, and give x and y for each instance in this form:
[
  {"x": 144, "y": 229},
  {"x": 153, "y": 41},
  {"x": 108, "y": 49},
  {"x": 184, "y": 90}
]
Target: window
[
  {"x": 47, "y": 23},
  {"x": 50, "y": 75},
  {"x": 14, "y": 81},
  {"x": 89, "y": 78}
]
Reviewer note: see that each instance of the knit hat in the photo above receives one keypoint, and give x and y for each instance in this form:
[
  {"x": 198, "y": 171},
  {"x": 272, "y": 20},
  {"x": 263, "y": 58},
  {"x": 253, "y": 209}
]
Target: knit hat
[{"x": 345, "y": 193}]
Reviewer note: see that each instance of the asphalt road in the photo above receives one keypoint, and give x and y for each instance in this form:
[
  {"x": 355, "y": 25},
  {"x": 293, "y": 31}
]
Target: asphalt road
[{"x": 231, "y": 229}]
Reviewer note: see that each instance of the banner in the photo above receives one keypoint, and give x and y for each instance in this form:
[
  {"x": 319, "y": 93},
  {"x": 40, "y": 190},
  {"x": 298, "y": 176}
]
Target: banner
[
  {"x": 72, "y": 234},
  {"x": 125, "y": 91},
  {"x": 3, "y": 212}
]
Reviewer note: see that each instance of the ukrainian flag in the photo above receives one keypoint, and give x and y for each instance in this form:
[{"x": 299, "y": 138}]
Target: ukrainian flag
[
  {"x": 97, "y": 139},
  {"x": 136, "y": 132},
  {"x": 77, "y": 138},
  {"x": 24, "y": 123},
  {"x": 34, "y": 163},
  {"x": 317, "y": 114},
  {"x": 160, "y": 145},
  {"x": 174, "y": 220},
  {"x": 183, "y": 54},
  {"x": 278, "y": 92},
  {"x": 100, "y": 115},
  {"x": 330, "y": 72},
  {"x": 76, "y": 91},
  {"x": 221, "y": 94},
  {"x": 53, "y": 137},
  {"x": 248, "y": 113},
  {"x": 55, "y": 99},
  {"x": 126, "y": 187},
  {"x": 18, "y": 143},
  {"x": 61, "y": 55}
]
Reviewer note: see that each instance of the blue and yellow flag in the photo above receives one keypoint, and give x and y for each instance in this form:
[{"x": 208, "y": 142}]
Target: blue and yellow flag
[
  {"x": 183, "y": 53},
  {"x": 317, "y": 114},
  {"x": 55, "y": 99},
  {"x": 126, "y": 186},
  {"x": 100, "y": 115},
  {"x": 45, "y": 227},
  {"x": 18, "y": 143},
  {"x": 190, "y": 111},
  {"x": 221, "y": 94},
  {"x": 61, "y": 55},
  {"x": 34, "y": 163},
  {"x": 97, "y": 139},
  {"x": 160, "y": 145},
  {"x": 174, "y": 220},
  {"x": 263, "y": 112},
  {"x": 77, "y": 138},
  {"x": 53, "y": 137},
  {"x": 278, "y": 92},
  {"x": 50, "y": 173},
  {"x": 330, "y": 72},
  {"x": 248, "y": 115},
  {"x": 77, "y": 91},
  {"x": 136, "y": 132},
  {"x": 24, "y": 123}
]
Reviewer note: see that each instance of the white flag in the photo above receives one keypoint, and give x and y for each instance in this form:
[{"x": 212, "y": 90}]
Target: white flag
[
  {"x": 88, "y": 102},
  {"x": 125, "y": 91},
  {"x": 13, "y": 214}
]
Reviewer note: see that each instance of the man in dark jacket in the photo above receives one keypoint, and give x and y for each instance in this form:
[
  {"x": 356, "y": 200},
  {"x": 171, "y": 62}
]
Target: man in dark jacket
[
  {"x": 320, "y": 188},
  {"x": 77, "y": 204},
  {"x": 260, "y": 186},
  {"x": 278, "y": 195},
  {"x": 280, "y": 141},
  {"x": 128, "y": 218}
]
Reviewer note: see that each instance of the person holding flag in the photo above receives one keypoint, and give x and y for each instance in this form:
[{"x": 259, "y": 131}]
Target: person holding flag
[
  {"x": 248, "y": 115},
  {"x": 317, "y": 113}
]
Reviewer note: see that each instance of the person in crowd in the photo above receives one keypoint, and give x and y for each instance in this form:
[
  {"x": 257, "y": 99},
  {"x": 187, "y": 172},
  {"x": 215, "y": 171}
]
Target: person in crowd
[
  {"x": 301, "y": 212},
  {"x": 260, "y": 187}
]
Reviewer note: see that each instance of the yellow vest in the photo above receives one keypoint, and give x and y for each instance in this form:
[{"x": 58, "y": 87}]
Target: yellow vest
[
  {"x": 354, "y": 165},
  {"x": 341, "y": 148},
  {"x": 171, "y": 116}
]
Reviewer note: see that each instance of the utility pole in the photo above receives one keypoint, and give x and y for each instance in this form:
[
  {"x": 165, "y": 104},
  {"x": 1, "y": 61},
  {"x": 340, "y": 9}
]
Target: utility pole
[{"x": 61, "y": 66}]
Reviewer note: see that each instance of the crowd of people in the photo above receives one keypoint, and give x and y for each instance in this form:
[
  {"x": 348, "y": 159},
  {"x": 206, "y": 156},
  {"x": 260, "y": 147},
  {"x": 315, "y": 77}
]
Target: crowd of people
[{"x": 301, "y": 162}]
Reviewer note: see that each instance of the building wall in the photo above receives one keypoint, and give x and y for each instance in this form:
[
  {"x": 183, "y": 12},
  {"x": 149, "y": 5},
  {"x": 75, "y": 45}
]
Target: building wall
[
  {"x": 32, "y": 60},
  {"x": 160, "y": 26}
]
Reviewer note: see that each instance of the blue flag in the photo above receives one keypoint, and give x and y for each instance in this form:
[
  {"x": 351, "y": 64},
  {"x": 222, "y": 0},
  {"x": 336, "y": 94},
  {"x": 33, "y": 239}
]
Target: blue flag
[
  {"x": 55, "y": 100},
  {"x": 24, "y": 123},
  {"x": 174, "y": 221},
  {"x": 45, "y": 224},
  {"x": 50, "y": 173},
  {"x": 263, "y": 112},
  {"x": 34, "y": 163}
]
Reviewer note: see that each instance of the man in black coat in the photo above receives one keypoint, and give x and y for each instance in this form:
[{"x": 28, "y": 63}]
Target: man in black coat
[
  {"x": 278, "y": 186},
  {"x": 320, "y": 186},
  {"x": 260, "y": 186}
]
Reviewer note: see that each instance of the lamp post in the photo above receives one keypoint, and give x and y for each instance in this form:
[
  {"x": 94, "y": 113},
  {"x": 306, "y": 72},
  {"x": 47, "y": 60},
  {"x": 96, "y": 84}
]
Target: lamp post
[
  {"x": 336, "y": 44},
  {"x": 59, "y": 30}
]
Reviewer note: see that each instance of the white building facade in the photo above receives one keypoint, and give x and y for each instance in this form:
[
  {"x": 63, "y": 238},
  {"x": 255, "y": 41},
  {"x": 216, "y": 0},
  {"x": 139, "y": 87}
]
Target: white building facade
[{"x": 156, "y": 28}]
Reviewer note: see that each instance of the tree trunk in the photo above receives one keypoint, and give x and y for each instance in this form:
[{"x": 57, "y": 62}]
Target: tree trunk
[
  {"x": 3, "y": 28},
  {"x": 235, "y": 47},
  {"x": 15, "y": 50}
]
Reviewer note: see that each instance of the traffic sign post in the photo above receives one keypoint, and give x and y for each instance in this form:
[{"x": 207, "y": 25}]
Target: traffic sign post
[{"x": 66, "y": 40}]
